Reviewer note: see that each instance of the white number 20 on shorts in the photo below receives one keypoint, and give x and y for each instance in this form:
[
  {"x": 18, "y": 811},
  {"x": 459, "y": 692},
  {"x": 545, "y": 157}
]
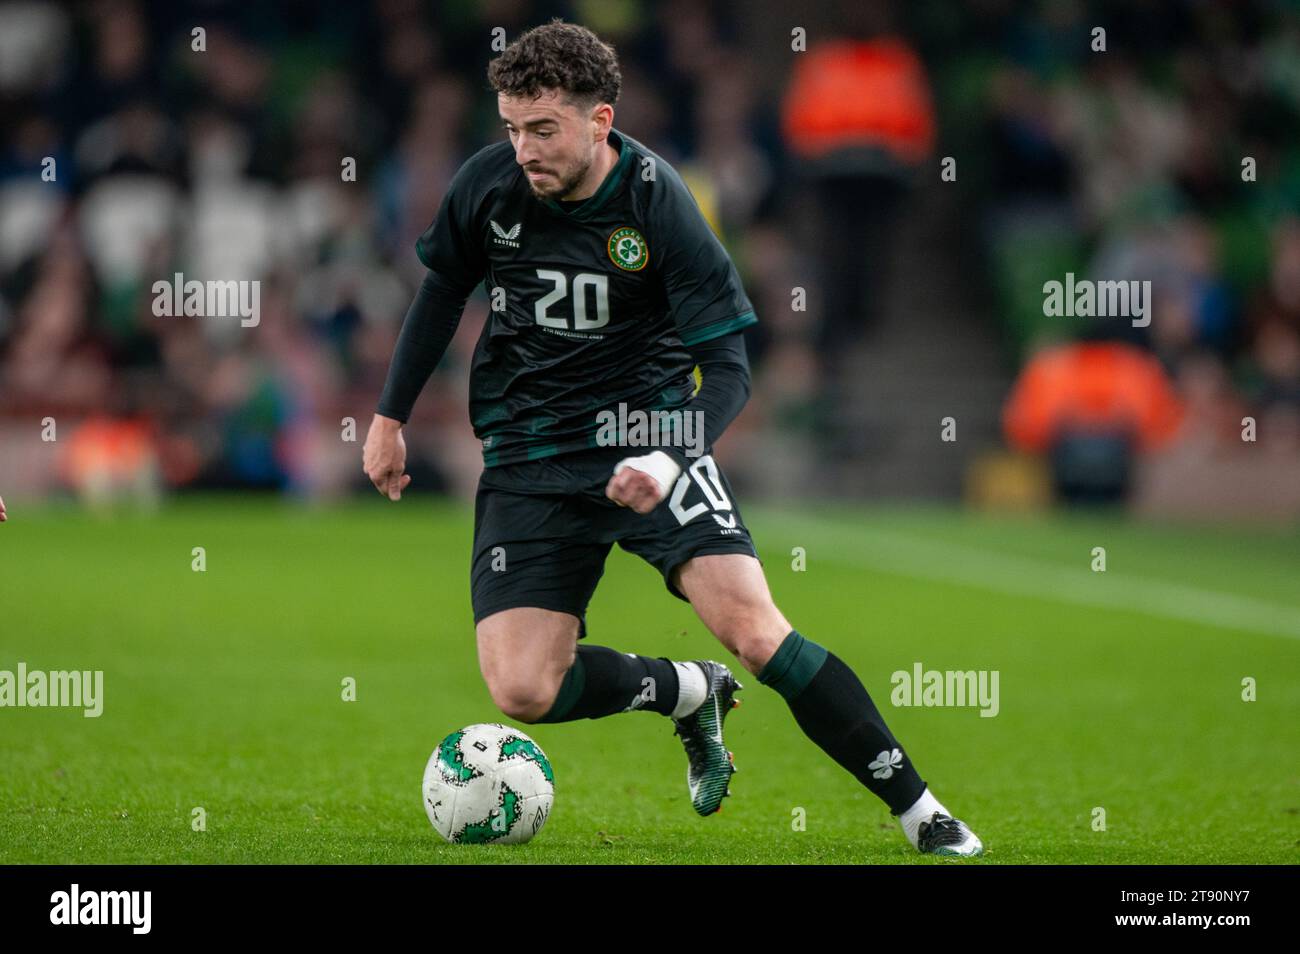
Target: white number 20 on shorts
[{"x": 705, "y": 473}]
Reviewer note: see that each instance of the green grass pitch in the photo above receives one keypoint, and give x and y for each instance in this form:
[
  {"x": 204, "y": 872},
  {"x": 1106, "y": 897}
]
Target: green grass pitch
[{"x": 1119, "y": 690}]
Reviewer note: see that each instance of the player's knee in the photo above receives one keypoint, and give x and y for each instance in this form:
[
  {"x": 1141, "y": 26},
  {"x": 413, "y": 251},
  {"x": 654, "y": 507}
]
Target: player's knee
[
  {"x": 523, "y": 708},
  {"x": 762, "y": 646},
  {"x": 524, "y": 700},
  {"x": 752, "y": 631}
]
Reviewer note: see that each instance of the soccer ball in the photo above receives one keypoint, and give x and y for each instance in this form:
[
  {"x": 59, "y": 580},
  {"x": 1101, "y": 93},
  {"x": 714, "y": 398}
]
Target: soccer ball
[{"x": 488, "y": 783}]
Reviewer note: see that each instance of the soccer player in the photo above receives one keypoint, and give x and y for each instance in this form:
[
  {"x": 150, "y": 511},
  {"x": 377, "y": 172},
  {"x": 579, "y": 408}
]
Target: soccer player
[{"x": 608, "y": 289}]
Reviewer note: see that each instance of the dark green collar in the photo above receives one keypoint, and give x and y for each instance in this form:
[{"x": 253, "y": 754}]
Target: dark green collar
[{"x": 613, "y": 179}]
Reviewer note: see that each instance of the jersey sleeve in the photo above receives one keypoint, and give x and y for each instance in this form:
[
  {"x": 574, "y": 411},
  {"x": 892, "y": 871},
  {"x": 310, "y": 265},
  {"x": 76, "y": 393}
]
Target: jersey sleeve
[
  {"x": 450, "y": 245},
  {"x": 723, "y": 391},
  {"x": 427, "y": 331},
  {"x": 703, "y": 287}
]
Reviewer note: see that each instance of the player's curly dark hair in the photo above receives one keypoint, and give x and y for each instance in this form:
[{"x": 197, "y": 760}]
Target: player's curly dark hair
[{"x": 558, "y": 55}]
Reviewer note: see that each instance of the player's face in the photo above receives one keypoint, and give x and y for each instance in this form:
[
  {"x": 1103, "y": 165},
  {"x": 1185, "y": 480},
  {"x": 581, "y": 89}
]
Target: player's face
[{"x": 554, "y": 140}]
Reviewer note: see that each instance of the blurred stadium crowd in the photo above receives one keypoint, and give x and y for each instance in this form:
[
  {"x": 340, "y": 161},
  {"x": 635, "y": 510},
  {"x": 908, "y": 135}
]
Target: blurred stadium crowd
[
  {"x": 1181, "y": 166},
  {"x": 127, "y": 155}
]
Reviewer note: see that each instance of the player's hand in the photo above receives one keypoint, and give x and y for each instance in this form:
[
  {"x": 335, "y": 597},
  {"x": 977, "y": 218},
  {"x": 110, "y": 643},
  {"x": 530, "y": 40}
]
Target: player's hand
[
  {"x": 642, "y": 482},
  {"x": 384, "y": 457},
  {"x": 3, "y": 516}
]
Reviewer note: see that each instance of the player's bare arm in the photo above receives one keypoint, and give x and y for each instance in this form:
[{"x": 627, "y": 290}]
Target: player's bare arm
[{"x": 384, "y": 457}]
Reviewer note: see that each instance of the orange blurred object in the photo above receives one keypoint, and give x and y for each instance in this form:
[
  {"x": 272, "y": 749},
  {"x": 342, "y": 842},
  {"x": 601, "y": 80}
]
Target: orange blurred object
[
  {"x": 1092, "y": 386},
  {"x": 109, "y": 448},
  {"x": 847, "y": 93}
]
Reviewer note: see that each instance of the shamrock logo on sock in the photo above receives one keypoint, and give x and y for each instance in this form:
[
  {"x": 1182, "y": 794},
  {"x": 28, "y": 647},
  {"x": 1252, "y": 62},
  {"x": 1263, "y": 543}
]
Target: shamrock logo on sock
[{"x": 885, "y": 763}]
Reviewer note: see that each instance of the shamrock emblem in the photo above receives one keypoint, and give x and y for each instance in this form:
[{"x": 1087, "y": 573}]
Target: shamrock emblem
[{"x": 885, "y": 763}]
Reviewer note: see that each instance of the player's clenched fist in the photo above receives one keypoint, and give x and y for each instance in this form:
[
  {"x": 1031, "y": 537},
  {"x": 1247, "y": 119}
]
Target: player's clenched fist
[
  {"x": 3, "y": 516},
  {"x": 642, "y": 482},
  {"x": 384, "y": 457}
]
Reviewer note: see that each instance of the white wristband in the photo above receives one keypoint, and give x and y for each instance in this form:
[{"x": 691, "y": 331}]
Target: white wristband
[{"x": 658, "y": 465}]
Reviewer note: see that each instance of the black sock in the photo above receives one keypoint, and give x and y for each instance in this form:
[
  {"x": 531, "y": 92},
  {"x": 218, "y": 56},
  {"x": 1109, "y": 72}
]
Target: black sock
[
  {"x": 834, "y": 710},
  {"x": 604, "y": 681}
]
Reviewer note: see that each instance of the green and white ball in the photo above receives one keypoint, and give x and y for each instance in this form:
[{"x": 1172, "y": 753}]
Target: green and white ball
[{"x": 488, "y": 783}]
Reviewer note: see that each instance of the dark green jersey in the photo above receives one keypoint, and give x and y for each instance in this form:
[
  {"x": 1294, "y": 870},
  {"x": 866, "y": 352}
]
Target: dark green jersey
[{"x": 592, "y": 306}]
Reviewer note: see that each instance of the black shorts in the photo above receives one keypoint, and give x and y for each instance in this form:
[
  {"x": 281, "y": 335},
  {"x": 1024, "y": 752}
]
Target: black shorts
[{"x": 543, "y": 528}]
